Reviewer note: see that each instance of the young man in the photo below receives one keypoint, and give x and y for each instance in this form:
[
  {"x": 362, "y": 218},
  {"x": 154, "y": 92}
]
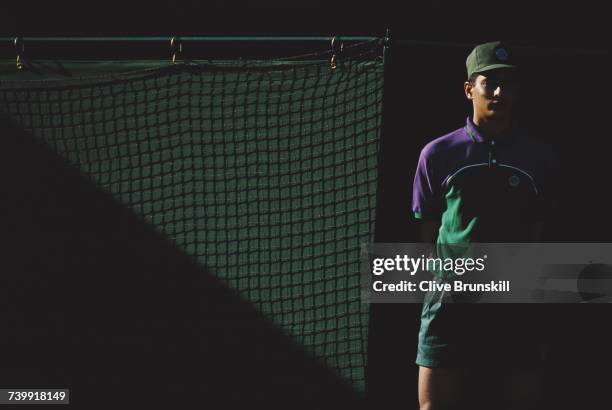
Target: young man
[{"x": 481, "y": 183}]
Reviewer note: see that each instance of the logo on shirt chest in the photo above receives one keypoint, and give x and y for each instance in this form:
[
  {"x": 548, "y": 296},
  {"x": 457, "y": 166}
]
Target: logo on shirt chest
[{"x": 514, "y": 180}]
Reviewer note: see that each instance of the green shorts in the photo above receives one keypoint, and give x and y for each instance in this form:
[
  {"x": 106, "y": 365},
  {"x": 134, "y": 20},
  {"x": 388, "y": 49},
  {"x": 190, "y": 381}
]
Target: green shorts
[{"x": 479, "y": 334}]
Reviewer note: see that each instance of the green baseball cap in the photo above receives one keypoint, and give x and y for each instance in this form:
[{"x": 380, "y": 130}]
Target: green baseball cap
[{"x": 488, "y": 56}]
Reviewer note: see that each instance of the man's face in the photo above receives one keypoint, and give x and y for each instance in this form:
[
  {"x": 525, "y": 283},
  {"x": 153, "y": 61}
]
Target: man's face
[{"x": 493, "y": 94}]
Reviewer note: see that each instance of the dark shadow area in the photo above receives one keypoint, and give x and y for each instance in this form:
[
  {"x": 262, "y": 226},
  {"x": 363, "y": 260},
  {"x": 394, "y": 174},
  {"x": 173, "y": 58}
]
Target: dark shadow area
[
  {"x": 95, "y": 300},
  {"x": 549, "y": 24},
  {"x": 424, "y": 100}
]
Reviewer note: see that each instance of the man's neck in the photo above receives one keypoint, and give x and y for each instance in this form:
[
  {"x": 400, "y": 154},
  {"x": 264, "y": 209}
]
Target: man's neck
[{"x": 492, "y": 128}]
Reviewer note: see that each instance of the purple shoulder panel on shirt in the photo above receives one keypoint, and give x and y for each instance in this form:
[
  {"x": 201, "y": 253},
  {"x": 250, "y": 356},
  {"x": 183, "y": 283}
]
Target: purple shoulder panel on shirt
[{"x": 436, "y": 159}]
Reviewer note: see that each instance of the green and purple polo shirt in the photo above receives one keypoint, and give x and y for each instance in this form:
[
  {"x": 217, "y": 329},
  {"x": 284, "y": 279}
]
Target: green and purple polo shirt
[{"x": 479, "y": 189}]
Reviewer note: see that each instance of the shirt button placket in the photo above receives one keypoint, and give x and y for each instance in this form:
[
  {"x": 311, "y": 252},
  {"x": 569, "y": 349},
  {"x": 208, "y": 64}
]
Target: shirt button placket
[{"x": 492, "y": 159}]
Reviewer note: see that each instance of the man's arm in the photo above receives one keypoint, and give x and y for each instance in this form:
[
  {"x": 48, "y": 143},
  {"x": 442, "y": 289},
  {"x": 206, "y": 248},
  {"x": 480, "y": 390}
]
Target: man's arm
[
  {"x": 439, "y": 388},
  {"x": 429, "y": 230}
]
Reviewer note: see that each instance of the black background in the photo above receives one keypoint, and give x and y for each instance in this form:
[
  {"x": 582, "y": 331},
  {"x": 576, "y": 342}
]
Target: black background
[{"x": 565, "y": 101}]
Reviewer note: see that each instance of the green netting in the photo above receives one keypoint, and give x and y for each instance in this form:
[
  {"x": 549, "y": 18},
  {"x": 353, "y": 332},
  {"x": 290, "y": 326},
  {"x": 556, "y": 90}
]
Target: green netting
[{"x": 264, "y": 171}]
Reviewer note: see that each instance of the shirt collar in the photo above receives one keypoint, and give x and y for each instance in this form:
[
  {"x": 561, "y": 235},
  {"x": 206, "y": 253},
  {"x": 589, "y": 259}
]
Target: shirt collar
[
  {"x": 476, "y": 134},
  {"x": 473, "y": 132}
]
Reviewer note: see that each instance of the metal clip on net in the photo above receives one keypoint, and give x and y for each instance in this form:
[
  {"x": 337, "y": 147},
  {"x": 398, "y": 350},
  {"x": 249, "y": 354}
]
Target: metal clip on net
[
  {"x": 20, "y": 50},
  {"x": 336, "y": 49},
  {"x": 176, "y": 47}
]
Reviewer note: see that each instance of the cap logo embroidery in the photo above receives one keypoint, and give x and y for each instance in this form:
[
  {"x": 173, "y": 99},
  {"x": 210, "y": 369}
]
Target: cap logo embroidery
[
  {"x": 514, "y": 180},
  {"x": 501, "y": 54}
]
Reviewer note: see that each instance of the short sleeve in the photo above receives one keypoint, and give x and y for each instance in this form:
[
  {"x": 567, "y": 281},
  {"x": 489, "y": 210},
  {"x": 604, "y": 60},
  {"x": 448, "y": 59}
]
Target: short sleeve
[{"x": 426, "y": 195}]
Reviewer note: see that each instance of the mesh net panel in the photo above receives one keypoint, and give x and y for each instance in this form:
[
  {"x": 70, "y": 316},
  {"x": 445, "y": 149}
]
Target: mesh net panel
[{"x": 264, "y": 171}]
